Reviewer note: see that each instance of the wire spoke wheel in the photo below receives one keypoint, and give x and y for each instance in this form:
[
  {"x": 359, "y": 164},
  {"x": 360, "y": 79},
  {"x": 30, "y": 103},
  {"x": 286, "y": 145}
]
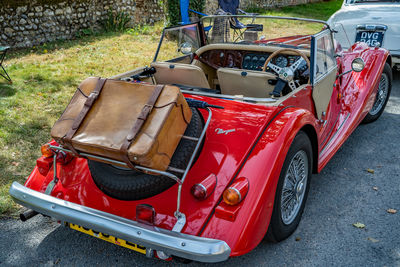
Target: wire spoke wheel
[
  {"x": 381, "y": 95},
  {"x": 294, "y": 187}
]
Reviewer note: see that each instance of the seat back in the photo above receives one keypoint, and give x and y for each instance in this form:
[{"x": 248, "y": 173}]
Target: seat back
[
  {"x": 245, "y": 82},
  {"x": 177, "y": 73}
]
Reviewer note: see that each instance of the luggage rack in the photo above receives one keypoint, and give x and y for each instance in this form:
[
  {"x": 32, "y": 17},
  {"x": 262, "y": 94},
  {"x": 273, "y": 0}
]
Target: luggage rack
[{"x": 181, "y": 218}]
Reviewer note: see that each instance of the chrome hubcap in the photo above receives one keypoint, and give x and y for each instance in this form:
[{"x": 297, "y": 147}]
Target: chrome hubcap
[
  {"x": 294, "y": 187},
  {"x": 381, "y": 95}
]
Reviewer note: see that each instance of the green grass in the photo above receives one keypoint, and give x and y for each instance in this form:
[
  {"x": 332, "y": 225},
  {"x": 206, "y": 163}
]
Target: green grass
[
  {"x": 45, "y": 77},
  {"x": 319, "y": 10}
]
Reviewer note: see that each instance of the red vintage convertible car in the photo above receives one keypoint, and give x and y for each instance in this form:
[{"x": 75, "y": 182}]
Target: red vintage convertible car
[{"x": 272, "y": 99}]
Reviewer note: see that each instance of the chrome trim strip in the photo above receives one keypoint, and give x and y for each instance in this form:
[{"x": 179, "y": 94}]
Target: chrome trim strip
[
  {"x": 202, "y": 186},
  {"x": 187, "y": 246},
  {"x": 238, "y": 192},
  {"x": 371, "y": 27},
  {"x": 337, "y": 131},
  {"x": 320, "y": 78}
]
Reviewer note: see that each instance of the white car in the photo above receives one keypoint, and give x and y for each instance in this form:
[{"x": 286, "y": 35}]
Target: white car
[{"x": 375, "y": 22}]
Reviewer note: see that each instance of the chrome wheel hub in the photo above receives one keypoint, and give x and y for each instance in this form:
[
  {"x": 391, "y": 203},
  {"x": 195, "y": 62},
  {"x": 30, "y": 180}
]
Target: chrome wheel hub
[
  {"x": 299, "y": 190},
  {"x": 381, "y": 95},
  {"x": 294, "y": 187}
]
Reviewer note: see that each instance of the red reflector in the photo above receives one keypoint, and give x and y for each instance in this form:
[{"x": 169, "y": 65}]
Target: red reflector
[
  {"x": 199, "y": 191},
  {"x": 145, "y": 213},
  {"x": 44, "y": 165},
  {"x": 202, "y": 190}
]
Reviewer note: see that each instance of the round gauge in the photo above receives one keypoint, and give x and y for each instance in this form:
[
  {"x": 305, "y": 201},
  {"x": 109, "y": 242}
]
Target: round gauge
[
  {"x": 254, "y": 62},
  {"x": 246, "y": 62},
  {"x": 261, "y": 62},
  {"x": 281, "y": 61}
]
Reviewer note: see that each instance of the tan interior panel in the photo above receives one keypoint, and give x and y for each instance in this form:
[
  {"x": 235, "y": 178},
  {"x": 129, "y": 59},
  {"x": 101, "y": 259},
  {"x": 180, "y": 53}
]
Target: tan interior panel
[
  {"x": 177, "y": 73},
  {"x": 245, "y": 82},
  {"x": 322, "y": 92},
  {"x": 211, "y": 74}
]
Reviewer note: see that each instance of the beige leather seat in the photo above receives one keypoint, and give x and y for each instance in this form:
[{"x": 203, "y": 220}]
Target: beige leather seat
[
  {"x": 245, "y": 82},
  {"x": 185, "y": 74}
]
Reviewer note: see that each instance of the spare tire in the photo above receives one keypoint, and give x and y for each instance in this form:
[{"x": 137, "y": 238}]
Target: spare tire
[{"x": 128, "y": 184}]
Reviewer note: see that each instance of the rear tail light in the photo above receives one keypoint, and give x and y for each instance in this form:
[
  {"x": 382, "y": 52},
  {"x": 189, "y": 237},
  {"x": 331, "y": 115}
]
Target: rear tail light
[
  {"x": 47, "y": 151},
  {"x": 234, "y": 194},
  {"x": 145, "y": 214},
  {"x": 202, "y": 190}
]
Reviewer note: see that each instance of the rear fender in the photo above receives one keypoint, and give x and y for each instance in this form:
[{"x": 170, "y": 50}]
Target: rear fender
[{"x": 262, "y": 169}]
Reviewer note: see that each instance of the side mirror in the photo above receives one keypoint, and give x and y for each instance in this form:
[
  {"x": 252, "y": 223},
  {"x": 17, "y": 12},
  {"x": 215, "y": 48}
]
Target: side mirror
[
  {"x": 357, "y": 64},
  {"x": 186, "y": 48}
]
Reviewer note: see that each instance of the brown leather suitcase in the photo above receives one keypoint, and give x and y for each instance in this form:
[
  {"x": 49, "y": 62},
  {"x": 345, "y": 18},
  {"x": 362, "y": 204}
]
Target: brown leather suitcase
[{"x": 117, "y": 120}]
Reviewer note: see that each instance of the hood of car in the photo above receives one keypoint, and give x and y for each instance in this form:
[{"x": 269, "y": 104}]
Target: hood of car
[{"x": 349, "y": 16}]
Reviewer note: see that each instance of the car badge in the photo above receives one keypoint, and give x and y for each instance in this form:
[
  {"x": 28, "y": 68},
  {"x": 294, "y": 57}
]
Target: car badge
[{"x": 220, "y": 131}]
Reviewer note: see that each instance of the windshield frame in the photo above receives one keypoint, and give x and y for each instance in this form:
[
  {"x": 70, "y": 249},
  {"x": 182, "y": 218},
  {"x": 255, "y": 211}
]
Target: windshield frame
[
  {"x": 267, "y": 17},
  {"x": 200, "y": 32}
]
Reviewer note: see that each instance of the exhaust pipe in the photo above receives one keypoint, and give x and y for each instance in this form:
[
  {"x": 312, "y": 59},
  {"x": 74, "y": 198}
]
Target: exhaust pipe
[{"x": 27, "y": 215}]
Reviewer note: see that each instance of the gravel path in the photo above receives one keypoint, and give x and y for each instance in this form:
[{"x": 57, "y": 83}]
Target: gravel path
[{"x": 341, "y": 195}]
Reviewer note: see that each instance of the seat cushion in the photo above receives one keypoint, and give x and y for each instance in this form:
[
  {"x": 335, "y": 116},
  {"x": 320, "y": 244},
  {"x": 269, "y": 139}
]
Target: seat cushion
[
  {"x": 177, "y": 73},
  {"x": 245, "y": 82}
]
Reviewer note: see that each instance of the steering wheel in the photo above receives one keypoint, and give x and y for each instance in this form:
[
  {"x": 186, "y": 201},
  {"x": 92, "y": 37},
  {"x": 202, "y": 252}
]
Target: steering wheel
[{"x": 286, "y": 75}]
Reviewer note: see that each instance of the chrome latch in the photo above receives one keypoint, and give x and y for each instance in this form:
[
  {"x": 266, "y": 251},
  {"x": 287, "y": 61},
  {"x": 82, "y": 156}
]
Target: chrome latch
[{"x": 180, "y": 223}]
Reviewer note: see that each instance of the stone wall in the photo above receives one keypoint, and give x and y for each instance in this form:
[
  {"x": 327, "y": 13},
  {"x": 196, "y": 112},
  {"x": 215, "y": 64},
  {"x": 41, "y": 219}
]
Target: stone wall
[
  {"x": 212, "y": 5},
  {"x": 32, "y": 23}
]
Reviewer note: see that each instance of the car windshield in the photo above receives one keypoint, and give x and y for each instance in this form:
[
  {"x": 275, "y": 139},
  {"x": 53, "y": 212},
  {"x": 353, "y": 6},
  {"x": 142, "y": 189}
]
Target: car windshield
[
  {"x": 260, "y": 30},
  {"x": 178, "y": 43}
]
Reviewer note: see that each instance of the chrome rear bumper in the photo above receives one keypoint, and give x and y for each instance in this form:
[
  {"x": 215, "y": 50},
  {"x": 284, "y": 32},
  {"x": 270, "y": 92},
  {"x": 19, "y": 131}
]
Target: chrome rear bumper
[{"x": 173, "y": 243}]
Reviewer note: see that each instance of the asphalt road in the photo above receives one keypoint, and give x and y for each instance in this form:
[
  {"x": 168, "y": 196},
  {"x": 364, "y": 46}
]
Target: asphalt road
[{"x": 341, "y": 195}]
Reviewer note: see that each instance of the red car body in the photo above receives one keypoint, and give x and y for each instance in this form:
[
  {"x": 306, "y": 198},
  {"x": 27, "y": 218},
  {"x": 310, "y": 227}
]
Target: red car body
[{"x": 256, "y": 150}]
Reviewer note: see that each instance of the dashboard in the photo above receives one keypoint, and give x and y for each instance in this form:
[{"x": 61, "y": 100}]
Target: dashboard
[{"x": 243, "y": 59}]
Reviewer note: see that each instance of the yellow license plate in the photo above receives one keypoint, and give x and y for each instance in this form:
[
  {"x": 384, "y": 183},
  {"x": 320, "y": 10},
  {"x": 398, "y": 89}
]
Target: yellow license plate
[{"x": 108, "y": 238}]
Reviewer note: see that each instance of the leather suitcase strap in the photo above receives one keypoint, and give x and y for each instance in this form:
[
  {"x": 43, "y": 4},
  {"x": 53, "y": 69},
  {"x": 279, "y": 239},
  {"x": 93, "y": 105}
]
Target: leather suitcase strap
[
  {"x": 84, "y": 111},
  {"x": 139, "y": 123}
]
